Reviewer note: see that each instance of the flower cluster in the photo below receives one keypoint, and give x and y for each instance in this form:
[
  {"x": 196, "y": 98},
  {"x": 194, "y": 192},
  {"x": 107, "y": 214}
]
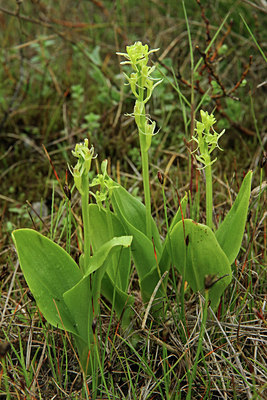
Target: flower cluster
[
  {"x": 207, "y": 138},
  {"x": 142, "y": 86},
  {"x": 84, "y": 155},
  {"x": 137, "y": 57},
  {"x": 105, "y": 183}
]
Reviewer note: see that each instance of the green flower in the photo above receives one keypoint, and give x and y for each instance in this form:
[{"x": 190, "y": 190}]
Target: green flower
[
  {"x": 137, "y": 56},
  {"x": 105, "y": 183},
  {"x": 207, "y": 138},
  {"x": 82, "y": 168}
]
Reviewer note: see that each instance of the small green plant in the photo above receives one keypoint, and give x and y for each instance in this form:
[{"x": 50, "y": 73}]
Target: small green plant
[{"x": 68, "y": 294}]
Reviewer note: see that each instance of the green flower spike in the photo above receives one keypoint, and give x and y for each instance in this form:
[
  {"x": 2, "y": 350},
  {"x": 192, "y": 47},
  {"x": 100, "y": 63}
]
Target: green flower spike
[
  {"x": 106, "y": 185},
  {"x": 137, "y": 57},
  {"x": 81, "y": 180},
  {"x": 137, "y": 54},
  {"x": 81, "y": 169},
  {"x": 142, "y": 86},
  {"x": 207, "y": 138}
]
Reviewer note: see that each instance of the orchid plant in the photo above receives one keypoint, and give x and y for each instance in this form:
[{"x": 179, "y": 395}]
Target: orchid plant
[
  {"x": 118, "y": 227},
  {"x": 66, "y": 293}
]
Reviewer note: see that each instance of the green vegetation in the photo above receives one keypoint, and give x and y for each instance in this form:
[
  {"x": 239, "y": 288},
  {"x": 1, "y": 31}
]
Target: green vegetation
[{"x": 149, "y": 330}]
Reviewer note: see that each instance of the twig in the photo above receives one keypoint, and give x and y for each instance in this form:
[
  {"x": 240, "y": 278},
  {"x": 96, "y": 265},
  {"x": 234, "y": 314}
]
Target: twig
[
  {"x": 25, "y": 18},
  {"x": 244, "y": 74}
]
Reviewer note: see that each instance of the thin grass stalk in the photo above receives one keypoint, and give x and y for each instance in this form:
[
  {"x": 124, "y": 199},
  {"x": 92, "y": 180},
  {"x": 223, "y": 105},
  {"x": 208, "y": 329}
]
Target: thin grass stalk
[
  {"x": 192, "y": 101},
  {"x": 254, "y": 39},
  {"x": 68, "y": 231}
]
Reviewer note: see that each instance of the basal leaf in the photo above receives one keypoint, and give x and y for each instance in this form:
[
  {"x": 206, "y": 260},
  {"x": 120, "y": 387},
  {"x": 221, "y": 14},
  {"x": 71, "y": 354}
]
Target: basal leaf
[
  {"x": 107, "y": 225},
  {"x": 115, "y": 280},
  {"x": 49, "y": 272},
  {"x": 134, "y": 214},
  {"x": 165, "y": 259},
  {"x": 178, "y": 216},
  {"x": 148, "y": 284},
  {"x": 120, "y": 300},
  {"x": 142, "y": 252},
  {"x": 79, "y": 301},
  {"x": 231, "y": 231},
  {"x": 100, "y": 256},
  {"x": 196, "y": 253}
]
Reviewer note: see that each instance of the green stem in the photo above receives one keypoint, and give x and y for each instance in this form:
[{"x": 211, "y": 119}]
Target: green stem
[
  {"x": 145, "y": 174},
  {"x": 209, "y": 204},
  {"x": 144, "y": 159},
  {"x": 85, "y": 216}
]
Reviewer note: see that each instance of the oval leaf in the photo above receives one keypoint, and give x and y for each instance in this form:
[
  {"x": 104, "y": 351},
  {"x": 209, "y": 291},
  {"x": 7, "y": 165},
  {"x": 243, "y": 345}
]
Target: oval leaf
[
  {"x": 196, "y": 253},
  {"x": 49, "y": 272},
  {"x": 165, "y": 259},
  {"x": 100, "y": 256},
  {"x": 133, "y": 213},
  {"x": 79, "y": 301},
  {"x": 107, "y": 225}
]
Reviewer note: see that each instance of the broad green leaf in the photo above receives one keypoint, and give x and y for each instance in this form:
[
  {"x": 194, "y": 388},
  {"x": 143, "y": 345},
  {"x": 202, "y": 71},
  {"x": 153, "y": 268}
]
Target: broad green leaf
[
  {"x": 86, "y": 354},
  {"x": 100, "y": 256},
  {"x": 115, "y": 281},
  {"x": 79, "y": 301},
  {"x": 165, "y": 259},
  {"x": 134, "y": 214},
  {"x": 145, "y": 263},
  {"x": 151, "y": 279},
  {"x": 230, "y": 232},
  {"x": 107, "y": 225},
  {"x": 196, "y": 253},
  {"x": 83, "y": 298},
  {"x": 142, "y": 252},
  {"x": 131, "y": 213},
  {"x": 98, "y": 265},
  {"x": 49, "y": 272}
]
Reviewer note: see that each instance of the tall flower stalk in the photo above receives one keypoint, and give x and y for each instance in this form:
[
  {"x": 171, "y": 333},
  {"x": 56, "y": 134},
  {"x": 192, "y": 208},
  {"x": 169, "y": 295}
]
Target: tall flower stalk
[
  {"x": 207, "y": 139},
  {"x": 81, "y": 179},
  {"x": 142, "y": 86}
]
